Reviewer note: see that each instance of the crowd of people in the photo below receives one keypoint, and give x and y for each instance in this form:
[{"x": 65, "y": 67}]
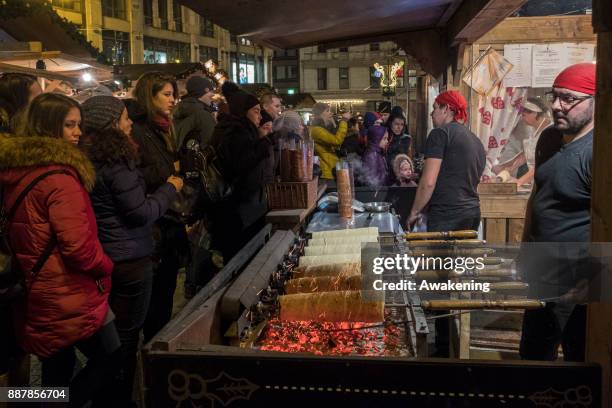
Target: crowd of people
[
  {"x": 95, "y": 195},
  {"x": 378, "y": 147}
]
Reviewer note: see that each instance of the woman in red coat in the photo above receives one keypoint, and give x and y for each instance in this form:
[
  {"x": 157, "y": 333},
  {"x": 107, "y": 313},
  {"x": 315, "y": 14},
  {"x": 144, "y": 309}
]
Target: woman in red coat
[{"x": 65, "y": 305}]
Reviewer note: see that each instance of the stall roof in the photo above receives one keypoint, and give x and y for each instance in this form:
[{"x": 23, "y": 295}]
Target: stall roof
[
  {"x": 426, "y": 29},
  {"x": 298, "y": 23},
  {"x": 58, "y": 65}
]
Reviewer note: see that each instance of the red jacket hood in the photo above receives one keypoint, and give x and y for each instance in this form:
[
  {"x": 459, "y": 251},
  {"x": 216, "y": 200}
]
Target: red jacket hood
[{"x": 20, "y": 155}]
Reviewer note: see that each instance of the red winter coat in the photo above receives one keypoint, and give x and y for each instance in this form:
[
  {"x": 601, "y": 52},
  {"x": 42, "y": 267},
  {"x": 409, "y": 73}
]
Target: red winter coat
[{"x": 67, "y": 300}]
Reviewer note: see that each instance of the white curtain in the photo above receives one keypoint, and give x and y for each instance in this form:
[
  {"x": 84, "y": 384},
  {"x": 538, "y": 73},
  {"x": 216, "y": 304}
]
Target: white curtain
[{"x": 497, "y": 115}]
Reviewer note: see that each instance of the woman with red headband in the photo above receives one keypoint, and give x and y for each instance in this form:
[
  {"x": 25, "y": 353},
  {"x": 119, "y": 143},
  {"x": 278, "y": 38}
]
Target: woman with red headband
[{"x": 454, "y": 161}]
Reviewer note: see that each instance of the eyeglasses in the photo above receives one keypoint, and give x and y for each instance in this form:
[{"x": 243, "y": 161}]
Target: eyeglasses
[{"x": 565, "y": 100}]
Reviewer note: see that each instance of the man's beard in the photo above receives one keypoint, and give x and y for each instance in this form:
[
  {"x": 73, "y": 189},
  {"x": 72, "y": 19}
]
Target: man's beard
[{"x": 574, "y": 125}]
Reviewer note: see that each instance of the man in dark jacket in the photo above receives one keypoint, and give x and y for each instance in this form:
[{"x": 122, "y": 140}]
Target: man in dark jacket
[{"x": 193, "y": 116}]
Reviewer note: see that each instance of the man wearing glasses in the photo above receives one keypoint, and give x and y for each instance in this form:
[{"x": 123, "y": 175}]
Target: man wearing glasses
[{"x": 558, "y": 212}]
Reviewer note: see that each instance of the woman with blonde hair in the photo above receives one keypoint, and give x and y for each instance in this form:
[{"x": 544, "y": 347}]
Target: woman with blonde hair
[{"x": 327, "y": 137}]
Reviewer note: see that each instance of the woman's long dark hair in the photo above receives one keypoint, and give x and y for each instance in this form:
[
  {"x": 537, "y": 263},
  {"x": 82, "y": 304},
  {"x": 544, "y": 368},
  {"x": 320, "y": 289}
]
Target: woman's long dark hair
[
  {"x": 14, "y": 99},
  {"x": 150, "y": 84},
  {"x": 109, "y": 146},
  {"x": 46, "y": 115}
]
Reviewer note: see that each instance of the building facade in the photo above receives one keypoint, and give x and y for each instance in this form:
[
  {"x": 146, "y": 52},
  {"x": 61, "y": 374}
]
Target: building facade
[
  {"x": 346, "y": 77},
  {"x": 163, "y": 31}
]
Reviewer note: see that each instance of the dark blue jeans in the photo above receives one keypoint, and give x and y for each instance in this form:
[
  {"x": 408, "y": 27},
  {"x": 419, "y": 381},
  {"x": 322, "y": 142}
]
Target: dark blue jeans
[
  {"x": 547, "y": 328},
  {"x": 171, "y": 252},
  {"x": 129, "y": 300},
  {"x": 102, "y": 350}
]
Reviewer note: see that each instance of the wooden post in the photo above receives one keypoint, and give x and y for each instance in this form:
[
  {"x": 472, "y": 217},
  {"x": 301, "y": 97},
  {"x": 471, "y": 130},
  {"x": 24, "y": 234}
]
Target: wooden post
[{"x": 599, "y": 321}]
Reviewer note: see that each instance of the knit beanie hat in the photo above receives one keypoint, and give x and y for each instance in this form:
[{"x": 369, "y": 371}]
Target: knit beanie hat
[
  {"x": 101, "y": 112},
  {"x": 397, "y": 111},
  {"x": 289, "y": 121},
  {"x": 239, "y": 101},
  {"x": 197, "y": 85}
]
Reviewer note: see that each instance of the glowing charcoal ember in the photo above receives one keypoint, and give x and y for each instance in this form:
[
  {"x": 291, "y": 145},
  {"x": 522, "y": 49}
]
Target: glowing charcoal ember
[{"x": 327, "y": 338}]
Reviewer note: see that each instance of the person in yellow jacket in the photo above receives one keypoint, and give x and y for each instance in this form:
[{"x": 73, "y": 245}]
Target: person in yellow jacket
[{"x": 327, "y": 137}]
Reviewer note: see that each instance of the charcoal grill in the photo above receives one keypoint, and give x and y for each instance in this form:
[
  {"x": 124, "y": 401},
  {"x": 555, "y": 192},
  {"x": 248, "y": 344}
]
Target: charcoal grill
[{"x": 208, "y": 355}]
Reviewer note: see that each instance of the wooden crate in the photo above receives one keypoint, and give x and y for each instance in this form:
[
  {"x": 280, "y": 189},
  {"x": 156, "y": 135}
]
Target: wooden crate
[
  {"x": 290, "y": 195},
  {"x": 503, "y": 217}
]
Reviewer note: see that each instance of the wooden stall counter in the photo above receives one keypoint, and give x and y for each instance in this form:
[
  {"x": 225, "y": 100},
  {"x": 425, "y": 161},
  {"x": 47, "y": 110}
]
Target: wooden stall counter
[{"x": 503, "y": 216}]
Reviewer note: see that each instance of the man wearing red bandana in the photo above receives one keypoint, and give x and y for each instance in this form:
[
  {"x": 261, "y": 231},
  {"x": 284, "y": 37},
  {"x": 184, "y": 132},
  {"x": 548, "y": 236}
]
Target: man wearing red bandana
[
  {"x": 558, "y": 214},
  {"x": 454, "y": 161}
]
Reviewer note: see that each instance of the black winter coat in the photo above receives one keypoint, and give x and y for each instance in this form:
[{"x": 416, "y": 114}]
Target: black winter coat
[
  {"x": 156, "y": 160},
  {"x": 194, "y": 119},
  {"x": 124, "y": 213},
  {"x": 244, "y": 159}
]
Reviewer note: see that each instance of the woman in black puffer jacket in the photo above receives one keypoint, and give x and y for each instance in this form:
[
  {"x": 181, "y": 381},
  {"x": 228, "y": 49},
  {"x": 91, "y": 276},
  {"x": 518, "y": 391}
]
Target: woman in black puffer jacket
[
  {"x": 244, "y": 157},
  {"x": 125, "y": 215}
]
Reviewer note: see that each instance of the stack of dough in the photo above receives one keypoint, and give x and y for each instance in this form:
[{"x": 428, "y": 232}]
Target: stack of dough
[
  {"x": 327, "y": 282},
  {"x": 345, "y": 306},
  {"x": 337, "y": 246}
]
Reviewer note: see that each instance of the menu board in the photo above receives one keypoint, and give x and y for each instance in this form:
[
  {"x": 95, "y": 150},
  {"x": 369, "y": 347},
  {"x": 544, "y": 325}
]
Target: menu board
[{"x": 519, "y": 56}]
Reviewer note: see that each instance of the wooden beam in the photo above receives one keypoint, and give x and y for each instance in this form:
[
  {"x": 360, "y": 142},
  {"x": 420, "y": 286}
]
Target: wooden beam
[
  {"x": 476, "y": 17},
  {"x": 599, "y": 319},
  {"x": 541, "y": 29},
  {"x": 429, "y": 47}
]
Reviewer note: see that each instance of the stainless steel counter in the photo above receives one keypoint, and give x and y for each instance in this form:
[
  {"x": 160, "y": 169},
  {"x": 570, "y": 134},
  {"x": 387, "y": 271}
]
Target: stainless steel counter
[{"x": 387, "y": 223}]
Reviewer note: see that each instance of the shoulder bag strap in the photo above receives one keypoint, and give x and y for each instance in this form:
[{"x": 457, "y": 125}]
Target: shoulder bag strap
[{"x": 53, "y": 241}]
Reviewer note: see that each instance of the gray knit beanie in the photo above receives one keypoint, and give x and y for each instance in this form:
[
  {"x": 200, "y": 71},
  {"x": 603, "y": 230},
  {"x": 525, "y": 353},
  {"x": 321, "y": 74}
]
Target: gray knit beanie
[{"x": 100, "y": 112}]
